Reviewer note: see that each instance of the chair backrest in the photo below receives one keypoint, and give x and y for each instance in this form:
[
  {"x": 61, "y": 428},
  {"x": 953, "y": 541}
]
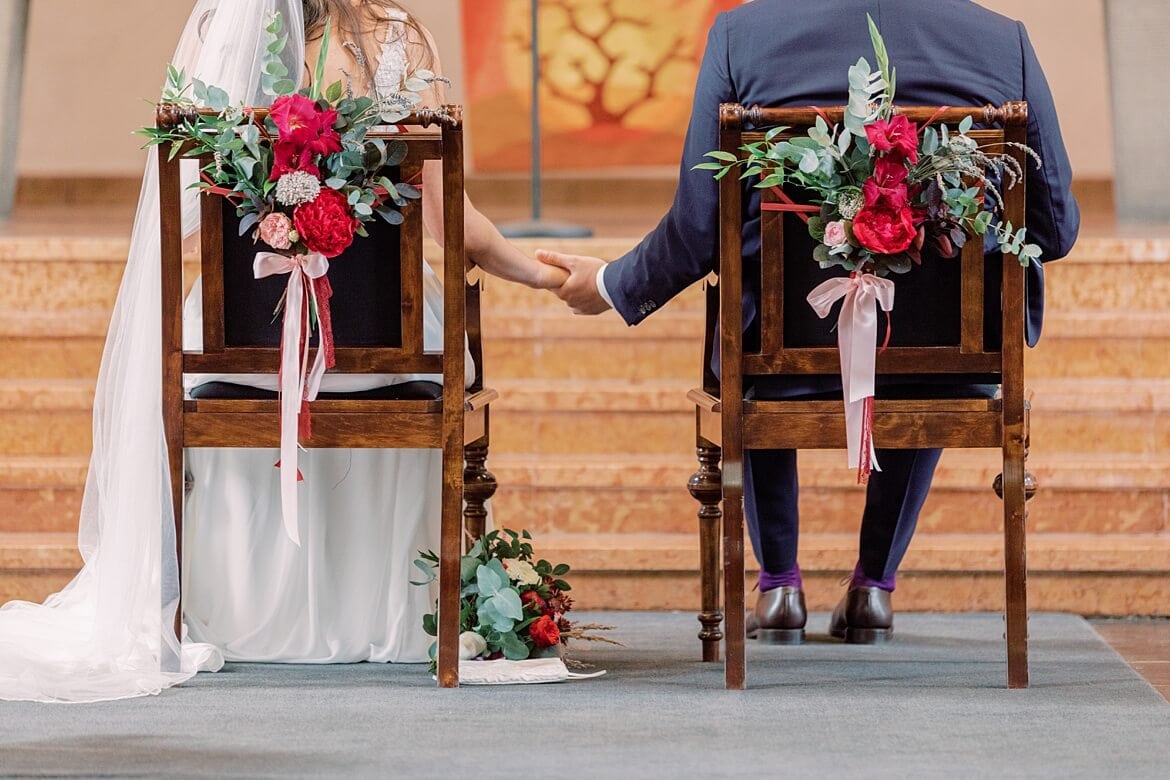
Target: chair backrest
[
  {"x": 378, "y": 282},
  {"x": 979, "y": 337}
]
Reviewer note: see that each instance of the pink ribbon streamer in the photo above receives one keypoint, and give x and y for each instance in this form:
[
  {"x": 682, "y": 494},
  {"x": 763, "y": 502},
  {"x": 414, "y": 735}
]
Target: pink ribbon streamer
[
  {"x": 857, "y": 329},
  {"x": 298, "y": 383}
]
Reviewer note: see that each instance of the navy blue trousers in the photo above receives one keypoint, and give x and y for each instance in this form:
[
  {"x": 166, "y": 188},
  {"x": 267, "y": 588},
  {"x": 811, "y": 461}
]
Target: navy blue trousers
[{"x": 893, "y": 499}]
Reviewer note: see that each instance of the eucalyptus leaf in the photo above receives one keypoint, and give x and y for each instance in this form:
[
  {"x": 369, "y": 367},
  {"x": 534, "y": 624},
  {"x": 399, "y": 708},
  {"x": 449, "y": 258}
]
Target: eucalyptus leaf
[
  {"x": 513, "y": 648},
  {"x": 391, "y": 216},
  {"x": 408, "y": 191},
  {"x": 248, "y": 222}
]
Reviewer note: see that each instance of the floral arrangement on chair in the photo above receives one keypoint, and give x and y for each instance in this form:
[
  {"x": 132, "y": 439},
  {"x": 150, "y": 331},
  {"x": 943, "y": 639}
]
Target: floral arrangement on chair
[
  {"x": 882, "y": 189},
  {"x": 304, "y": 178},
  {"x": 511, "y": 606}
]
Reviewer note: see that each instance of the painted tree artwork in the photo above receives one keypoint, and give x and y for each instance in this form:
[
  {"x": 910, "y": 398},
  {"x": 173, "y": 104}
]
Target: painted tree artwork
[{"x": 618, "y": 77}]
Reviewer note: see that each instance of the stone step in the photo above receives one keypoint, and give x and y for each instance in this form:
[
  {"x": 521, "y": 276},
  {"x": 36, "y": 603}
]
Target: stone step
[
  {"x": 1088, "y": 574},
  {"x": 1079, "y": 573},
  {"x": 61, "y": 274},
  {"x": 40, "y": 417},
  {"x": 551, "y": 416},
  {"x": 1104, "y": 494},
  {"x": 1079, "y": 494}
]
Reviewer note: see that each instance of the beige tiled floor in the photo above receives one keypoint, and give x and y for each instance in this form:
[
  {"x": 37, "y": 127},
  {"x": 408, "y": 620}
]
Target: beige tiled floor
[{"x": 1145, "y": 645}]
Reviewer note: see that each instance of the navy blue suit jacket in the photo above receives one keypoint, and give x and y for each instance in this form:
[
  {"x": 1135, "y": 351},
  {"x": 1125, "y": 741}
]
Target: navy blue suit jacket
[{"x": 797, "y": 53}]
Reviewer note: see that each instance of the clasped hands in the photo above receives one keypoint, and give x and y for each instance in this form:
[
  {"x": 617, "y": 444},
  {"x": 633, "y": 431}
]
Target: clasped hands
[{"x": 577, "y": 276}]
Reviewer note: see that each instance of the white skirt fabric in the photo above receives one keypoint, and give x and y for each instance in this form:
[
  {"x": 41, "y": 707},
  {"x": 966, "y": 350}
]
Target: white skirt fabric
[{"x": 344, "y": 596}]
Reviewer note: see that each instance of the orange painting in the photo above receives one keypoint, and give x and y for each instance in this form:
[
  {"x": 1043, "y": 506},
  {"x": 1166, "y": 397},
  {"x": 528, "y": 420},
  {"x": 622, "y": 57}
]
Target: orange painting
[{"x": 618, "y": 78}]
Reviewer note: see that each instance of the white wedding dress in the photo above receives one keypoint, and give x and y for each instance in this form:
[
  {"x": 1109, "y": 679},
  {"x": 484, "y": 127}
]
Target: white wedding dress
[
  {"x": 344, "y": 595},
  {"x": 251, "y": 594}
]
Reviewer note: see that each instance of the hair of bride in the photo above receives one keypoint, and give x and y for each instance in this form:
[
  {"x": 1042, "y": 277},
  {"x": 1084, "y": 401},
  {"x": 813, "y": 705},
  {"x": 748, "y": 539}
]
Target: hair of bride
[{"x": 361, "y": 18}]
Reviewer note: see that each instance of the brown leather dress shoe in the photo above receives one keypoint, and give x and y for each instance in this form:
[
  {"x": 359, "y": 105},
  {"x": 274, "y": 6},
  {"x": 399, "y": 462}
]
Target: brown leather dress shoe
[
  {"x": 778, "y": 618},
  {"x": 864, "y": 617}
]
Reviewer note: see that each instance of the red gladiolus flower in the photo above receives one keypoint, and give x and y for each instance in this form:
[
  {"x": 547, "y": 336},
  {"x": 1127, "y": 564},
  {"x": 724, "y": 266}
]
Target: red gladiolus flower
[
  {"x": 888, "y": 185},
  {"x": 544, "y": 632},
  {"x": 304, "y": 126},
  {"x": 884, "y": 230},
  {"x": 533, "y": 599},
  {"x": 898, "y": 136},
  {"x": 326, "y": 225},
  {"x": 289, "y": 158},
  {"x": 293, "y": 114}
]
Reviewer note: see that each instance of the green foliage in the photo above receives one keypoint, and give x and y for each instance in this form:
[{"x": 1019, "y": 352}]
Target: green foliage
[
  {"x": 237, "y": 148},
  {"x": 954, "y": 186}
]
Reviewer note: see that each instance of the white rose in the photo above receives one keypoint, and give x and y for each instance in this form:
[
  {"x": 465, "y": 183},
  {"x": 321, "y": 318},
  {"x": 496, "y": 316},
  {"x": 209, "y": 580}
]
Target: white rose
[
  {"x": 521, "y": 571},
  {"x": 471, "y": 645}
]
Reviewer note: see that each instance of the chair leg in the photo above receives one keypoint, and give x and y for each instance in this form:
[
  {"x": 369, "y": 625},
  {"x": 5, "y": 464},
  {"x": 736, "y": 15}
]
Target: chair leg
[
  {"x": 1015, "y": 565},
  {"x": 479, "y": 485},
  {"x": 706, "y": 486},
  {"x": 450, "y": 552},
  {"x": 733, "y": 573}
]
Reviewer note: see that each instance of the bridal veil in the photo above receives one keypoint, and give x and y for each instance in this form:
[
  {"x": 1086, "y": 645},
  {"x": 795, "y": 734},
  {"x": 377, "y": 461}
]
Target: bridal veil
[{"x": 107, "y": 634}]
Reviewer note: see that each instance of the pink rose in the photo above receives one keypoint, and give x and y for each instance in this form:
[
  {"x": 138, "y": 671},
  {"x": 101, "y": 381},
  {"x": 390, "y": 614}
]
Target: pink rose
[
  {"x": 835, "y": 234},
  {"x": 275, "y": 229}
]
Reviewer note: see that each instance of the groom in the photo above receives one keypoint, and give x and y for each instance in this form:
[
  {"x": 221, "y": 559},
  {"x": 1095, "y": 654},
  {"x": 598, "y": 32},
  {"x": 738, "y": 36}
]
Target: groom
[{"x": 785, "y": 53}]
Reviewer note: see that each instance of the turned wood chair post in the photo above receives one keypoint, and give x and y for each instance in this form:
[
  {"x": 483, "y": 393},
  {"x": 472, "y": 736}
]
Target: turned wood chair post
[
  {"x": 731, "y": 119},
  {"x": 1015, "y": 432},
  {"x": 479, "y": 484},
  {"x": 706, "y": 487},
  {"x": 455, "y": 324}
]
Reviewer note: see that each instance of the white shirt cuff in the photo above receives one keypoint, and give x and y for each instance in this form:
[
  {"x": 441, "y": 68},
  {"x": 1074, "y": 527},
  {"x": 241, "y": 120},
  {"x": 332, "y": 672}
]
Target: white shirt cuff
[{"x": 601, "y": 289}]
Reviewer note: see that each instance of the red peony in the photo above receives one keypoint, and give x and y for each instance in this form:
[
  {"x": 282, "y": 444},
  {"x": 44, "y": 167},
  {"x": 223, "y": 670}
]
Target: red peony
[
  {"x": 544, "y": 632},
  {"x": 884, "y": 230},
  {"x": 290, "y": 158},
  {"x": 888, "y": 185},
  {"x": 898, "y": 136},
  {"x": 326, "y": 225},
  {"x": 532, "y": 598}
]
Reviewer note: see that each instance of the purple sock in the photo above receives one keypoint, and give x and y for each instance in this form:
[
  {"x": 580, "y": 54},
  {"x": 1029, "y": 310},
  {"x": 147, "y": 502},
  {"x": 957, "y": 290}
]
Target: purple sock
[
  {"x": 860, "y": 580},
  {"x": 788, "y": 579}
]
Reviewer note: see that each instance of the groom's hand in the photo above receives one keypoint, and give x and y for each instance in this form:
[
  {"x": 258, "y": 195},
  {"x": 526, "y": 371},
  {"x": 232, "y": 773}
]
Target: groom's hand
[{"x": 580, "y": 291}]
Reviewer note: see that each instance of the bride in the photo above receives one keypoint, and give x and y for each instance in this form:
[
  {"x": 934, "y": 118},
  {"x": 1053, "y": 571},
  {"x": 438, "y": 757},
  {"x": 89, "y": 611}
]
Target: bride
[{"x": 250, "y": 593}]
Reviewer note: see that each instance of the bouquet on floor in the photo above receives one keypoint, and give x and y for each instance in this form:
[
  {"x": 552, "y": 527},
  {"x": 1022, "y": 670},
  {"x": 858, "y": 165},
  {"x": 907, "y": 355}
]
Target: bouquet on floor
[
  {"x": 881, "y": 190},
  {"x": 511, "y": 606},
  {"x": 305, "y": 178}
]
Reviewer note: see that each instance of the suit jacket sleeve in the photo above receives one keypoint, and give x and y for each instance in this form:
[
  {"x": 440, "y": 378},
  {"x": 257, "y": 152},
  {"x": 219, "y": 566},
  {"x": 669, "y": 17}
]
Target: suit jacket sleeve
[
  {"x": 1053, "y": 216},
  {"x": 682, "y": 249}
]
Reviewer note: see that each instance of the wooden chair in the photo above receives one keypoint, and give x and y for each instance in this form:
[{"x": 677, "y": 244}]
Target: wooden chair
[
  {"x": 728, "y": 423},
  {"x": 450, "y": 418}
]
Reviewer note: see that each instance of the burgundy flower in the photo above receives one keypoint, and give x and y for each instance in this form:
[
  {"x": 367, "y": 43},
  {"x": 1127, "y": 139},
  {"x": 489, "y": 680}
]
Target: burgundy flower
[
  {"x": 326, "y": 225},
  {"x": 897, "y": 136},
  {"x": 531, "y": 598}
]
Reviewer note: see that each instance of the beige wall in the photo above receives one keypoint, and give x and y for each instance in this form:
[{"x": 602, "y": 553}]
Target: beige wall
[{"x": 96, "y": 60}]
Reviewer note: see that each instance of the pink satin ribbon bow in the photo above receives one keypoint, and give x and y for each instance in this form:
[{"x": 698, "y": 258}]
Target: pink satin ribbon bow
[
  {"x": 298, "y": 383},
  {"x": 857, "y": 329}
]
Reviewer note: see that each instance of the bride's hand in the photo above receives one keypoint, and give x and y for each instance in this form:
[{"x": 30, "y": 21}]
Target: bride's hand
[{"x": 549, "y": 277}]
